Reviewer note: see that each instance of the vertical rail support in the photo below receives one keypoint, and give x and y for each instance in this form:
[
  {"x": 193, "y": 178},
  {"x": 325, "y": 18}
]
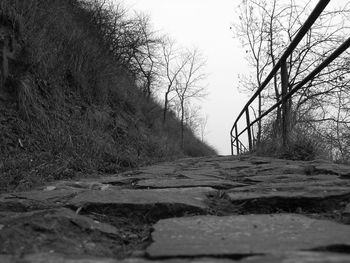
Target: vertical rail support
[
  {"x": 237, "y": 141},
  {"x": 285, "y": 104},
  {"x": 286, "y": 95},
  {"x": 231, "y": 143},
  {"x": 249, "y": 131},
  {"x": 259, "y": 123}
]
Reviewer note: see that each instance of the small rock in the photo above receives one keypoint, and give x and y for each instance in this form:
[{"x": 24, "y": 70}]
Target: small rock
[
  {"x": 50, "y": 188},
  {"x": 104, "y": 187},
  {"x": 78, "y": 210}
]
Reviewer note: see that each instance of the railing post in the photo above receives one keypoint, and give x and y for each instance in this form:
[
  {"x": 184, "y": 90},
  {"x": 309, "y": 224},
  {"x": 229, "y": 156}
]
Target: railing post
[
  {"x": 231, "y": 144},
  {"x": 285, "y": 104},
  {"x": 249, "y": 130},
  {"x": 259, "y": 123},
  {"x": 237, "y": 141}
]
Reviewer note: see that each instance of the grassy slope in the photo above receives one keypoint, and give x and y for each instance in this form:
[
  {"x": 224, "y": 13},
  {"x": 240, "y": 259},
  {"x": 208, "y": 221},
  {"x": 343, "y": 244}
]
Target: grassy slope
[{"x": 71, "y": 109}]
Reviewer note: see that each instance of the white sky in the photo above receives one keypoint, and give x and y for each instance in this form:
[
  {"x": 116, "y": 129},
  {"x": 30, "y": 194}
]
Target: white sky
[{"x": 206, "y": 25}]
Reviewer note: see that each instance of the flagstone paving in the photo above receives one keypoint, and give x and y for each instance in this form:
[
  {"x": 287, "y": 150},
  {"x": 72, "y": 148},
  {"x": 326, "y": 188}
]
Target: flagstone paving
[
  {"x": 213, "y": 209},
  {"x": 244, "y": 235},
  {"x": 191, "y": 197}
]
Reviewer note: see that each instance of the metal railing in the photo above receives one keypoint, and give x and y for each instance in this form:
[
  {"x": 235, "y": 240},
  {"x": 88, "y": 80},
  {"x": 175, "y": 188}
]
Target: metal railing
[{"x": 285, "y": 95}]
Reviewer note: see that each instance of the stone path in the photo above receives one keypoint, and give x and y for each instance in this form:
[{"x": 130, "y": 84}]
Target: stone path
[{"x": 215, "y": 209}]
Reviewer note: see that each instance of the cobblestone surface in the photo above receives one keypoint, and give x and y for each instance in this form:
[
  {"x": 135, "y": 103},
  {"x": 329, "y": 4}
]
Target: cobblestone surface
[{"x": 214, "y": 209}]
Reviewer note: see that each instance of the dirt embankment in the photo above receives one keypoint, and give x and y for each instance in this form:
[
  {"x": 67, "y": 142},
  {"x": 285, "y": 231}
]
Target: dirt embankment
[{"x": 69, "y": 106}]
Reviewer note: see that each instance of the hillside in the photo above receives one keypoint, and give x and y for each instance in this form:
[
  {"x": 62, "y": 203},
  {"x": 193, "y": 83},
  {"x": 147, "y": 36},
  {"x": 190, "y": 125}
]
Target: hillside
[{"x": 70, "y": 104}]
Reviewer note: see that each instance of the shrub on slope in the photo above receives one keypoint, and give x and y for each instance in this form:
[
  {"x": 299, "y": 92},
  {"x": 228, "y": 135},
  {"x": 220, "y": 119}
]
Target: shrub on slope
[{"x": 70, "y": 105}]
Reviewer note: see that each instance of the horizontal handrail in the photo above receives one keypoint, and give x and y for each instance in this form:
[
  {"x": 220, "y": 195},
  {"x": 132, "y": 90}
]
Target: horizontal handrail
[
  {"x": 317, "y": 70},
  {"x": 301, "y": 33}
]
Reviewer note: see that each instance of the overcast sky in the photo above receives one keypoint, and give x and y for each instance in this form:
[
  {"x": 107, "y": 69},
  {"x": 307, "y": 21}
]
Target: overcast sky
[{"x": 206, "y": 25}]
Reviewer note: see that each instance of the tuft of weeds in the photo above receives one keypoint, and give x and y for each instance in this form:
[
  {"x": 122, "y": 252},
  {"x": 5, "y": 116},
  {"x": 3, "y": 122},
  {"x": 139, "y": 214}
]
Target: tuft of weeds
[{"x": 302, "y": 143}]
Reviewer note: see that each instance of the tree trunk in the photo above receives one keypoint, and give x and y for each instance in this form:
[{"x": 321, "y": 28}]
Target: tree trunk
[
  {"x": 182, "y": 125},
  {"x": 259, "y": 123},
  {"x": 166, "y": 102}
]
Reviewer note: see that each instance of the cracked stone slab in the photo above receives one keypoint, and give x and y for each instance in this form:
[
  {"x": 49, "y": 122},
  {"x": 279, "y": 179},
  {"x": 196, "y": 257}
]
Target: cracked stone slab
[
  {"x": 159, "y": 169},
  {"x": 54, "y": 258},
  {"x": 201, "y": 173},
  {"x": 56, "y": 230},
  {"x": 126, "y": 179},
  {"x": 271, "y": 178},
  {"x": 301, "y": 257},
  {"x": 10, "y": 203},
  {"x": 321, "y": 166},
  {"x": 97, "y": 183},
  {"x": 288, "y": 191},
  {"x": 36, "y": 200},
  {"x": 59, "y": 258},
  {"x": 250, "y": 166},
  {"x": 244, "y": 234},
  {"x": 76, "y": 185},
  {"x": 79, "y": 220},
  {"x": 193, "y": 197},
  {"x": 173, "y": 183},
  {"x": 48, "y": 195},
  {"x": 298, "y": 257}
]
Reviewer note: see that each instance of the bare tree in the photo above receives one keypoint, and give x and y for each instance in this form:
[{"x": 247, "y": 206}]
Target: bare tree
[
  {"x": 195, "y": 120},
  {"x": 203, "y": 122},
  {"x": 267, "y": 27},
  {"x": 146, "y": 55},
  {"x": 190, "y": 83},
  {"x": 256, "y": 30},
  {"x": 173, "y": 64},
  {"x": 130, "y": 39}
]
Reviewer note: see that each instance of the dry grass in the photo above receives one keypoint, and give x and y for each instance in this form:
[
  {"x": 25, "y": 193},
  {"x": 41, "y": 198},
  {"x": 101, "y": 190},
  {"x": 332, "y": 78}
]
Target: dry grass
[
  {"x": 75, "y": 109},
  {"x": 303, "y": 144}
]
